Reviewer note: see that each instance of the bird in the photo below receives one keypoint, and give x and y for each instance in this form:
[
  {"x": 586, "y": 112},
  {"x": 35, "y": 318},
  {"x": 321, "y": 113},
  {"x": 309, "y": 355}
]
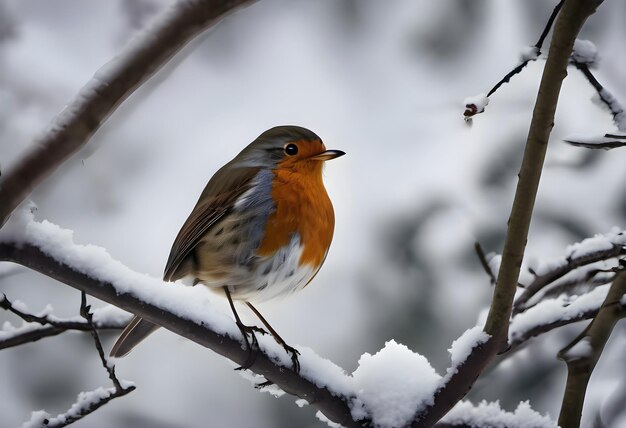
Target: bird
[{"x": 261, "y": 229}]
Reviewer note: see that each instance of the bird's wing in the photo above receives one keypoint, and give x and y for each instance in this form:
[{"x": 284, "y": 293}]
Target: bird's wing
[{"x": 216, "y": 201}]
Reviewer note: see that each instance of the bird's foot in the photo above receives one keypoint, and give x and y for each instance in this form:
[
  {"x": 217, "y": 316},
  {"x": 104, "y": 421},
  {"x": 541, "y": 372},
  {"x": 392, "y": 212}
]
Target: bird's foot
[
  {"x": 253, "y": 348},
  {"x": 294, "y": 356}
]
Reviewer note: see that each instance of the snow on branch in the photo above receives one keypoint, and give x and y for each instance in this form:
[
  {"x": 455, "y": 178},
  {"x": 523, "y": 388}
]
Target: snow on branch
[
  {"x": 599, "y": 248},
  {"x": 465, "y": 414},
  {"x": 477, "y": 104},
  {"x": 394, "y": 387},
  {"x": 87, "y": 402},
  {"x": 44, "y": 324},
  {"x": 100, "y": 97},
  {"x": 187, "y": 311}
]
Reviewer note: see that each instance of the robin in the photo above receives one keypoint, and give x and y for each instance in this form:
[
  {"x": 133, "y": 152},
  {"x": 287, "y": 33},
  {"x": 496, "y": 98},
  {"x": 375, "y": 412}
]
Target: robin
[{"x": 261, "y": 229}]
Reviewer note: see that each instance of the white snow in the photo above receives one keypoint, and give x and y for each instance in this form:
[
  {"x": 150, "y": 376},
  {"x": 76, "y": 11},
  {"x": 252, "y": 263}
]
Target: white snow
[
  {"x": 480, "y": 101},
  {"x": 462, "y": 347},
  {"x": 83, "y": 402},
  {"x": 319, "y": 415},
  {"x": 599, "y": 140},
  {"x": 551, "y": 310},
  {"x": 598, "y": 242},
  {"x": 395, "y": 384},
  {"x": 582, "y": 349},
  {"x": 585, "y": 52},
  {"x": 491, "y": 415},
  {"x": 529, "y": 53},
  {"x": 189, "y": 302}
]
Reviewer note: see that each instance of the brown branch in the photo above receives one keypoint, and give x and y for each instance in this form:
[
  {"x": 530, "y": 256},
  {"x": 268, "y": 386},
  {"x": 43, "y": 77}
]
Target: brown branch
[
  {"x": 549, "y": 277},
  {"x": 332, "y": 403},
  {"x": 73, "y": 127},
  {"x": 583, "y": 353},
  {"x": 568, "y": 24}
]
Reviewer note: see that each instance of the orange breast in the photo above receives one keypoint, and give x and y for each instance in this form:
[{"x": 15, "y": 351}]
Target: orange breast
[{"x": 303, "y": 207}]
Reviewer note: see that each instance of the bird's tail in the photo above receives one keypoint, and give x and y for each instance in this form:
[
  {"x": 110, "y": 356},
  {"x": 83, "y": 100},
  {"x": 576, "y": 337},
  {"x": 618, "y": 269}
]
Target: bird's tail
[{"x": 136, "y": 331}]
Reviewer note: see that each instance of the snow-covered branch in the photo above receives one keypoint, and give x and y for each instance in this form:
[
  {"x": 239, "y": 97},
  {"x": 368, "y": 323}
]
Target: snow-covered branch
[
  {"x": 111, "y": 85},
  {"x": 599, "y": 248},
  {"x": 87, "y": 402},
  {"x": 44, "y": 324},
  {"x": 187, "y": 311}
]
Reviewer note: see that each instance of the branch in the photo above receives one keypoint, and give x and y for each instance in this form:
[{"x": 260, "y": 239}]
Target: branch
[
  {"x": 38, "y": 327},
  {"x": 568, "y": 23},
  {"x": 87, "y": 402},
  {"x": 484, "y": 262},
  {"x": 91, "y": 269},
  {"x": 110, "y": 86},
  {"x": 591, "y": 250},
  {"x": 553, "y": 313},
  {"x": 471, "y": 108},
  {"x": 583, "y": 353}
]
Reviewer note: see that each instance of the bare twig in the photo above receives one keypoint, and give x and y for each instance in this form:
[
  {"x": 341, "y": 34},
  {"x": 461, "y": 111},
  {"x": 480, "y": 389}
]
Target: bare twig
[
  {"x": 582, "y": 354},
  {"x": 85, "y": 312},
  {"x": 614, "y": 106},
  {"x": 484, "y": 263},
  {"x": 73, "y": 127},
  {"x": 48, "y": 326},
  {"x": 87, "y": 402}
]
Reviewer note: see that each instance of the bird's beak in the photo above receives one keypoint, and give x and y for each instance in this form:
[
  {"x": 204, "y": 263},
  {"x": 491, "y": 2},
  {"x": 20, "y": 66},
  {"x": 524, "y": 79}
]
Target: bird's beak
[{"x": 328, "y": 155}]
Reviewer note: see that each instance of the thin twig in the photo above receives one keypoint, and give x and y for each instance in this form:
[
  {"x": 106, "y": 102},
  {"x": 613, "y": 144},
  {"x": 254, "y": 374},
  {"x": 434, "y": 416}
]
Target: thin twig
[
  {"x": 614, "y": 106},
  {"x": 538, "y": 46},
  {"x": 48, "y": 326},
  {"x": 484, "y": 263},
  {"x": 85, "y": 312}
]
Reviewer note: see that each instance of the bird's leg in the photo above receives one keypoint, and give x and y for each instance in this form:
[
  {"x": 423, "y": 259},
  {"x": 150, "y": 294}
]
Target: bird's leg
[
  {"x": 245, "y": 331},
  {"x": 289, "y": 349}
]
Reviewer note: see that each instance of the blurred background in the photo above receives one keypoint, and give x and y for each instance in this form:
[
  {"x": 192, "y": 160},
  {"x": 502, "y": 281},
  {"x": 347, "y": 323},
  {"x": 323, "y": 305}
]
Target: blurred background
[{"x": 383, "y": 81}]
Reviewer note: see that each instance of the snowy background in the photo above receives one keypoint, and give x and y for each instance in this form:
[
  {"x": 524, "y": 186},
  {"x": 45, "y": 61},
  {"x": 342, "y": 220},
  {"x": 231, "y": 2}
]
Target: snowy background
[{"x": 383, "y": 81}]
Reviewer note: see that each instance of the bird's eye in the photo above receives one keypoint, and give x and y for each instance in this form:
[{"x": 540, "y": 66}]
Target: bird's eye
[{"x": 291, "y": 149}]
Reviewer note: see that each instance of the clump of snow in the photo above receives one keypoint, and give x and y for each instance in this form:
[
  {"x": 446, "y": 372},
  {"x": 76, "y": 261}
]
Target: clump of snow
[
  {"x": 491, "y": 415},
  {"x": 585, "y": 52},
  {"x": 395, "y": 384},
  {"x": 110, "y": 315},
  {"x": 552, "y": 310},
  {"x": 475, "y": 104},
  {"x": 529, "y": 53},
  {"x": 582, "y": 349},
  {"x": 257, "y": 380},
  {"x": 301, "y": 402},
  {"x": 599, "y": 242},
  {"x": 37, "y": 419},
  {"x": 319, "y": 415},
  {"x": 462, "y": 347}
]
